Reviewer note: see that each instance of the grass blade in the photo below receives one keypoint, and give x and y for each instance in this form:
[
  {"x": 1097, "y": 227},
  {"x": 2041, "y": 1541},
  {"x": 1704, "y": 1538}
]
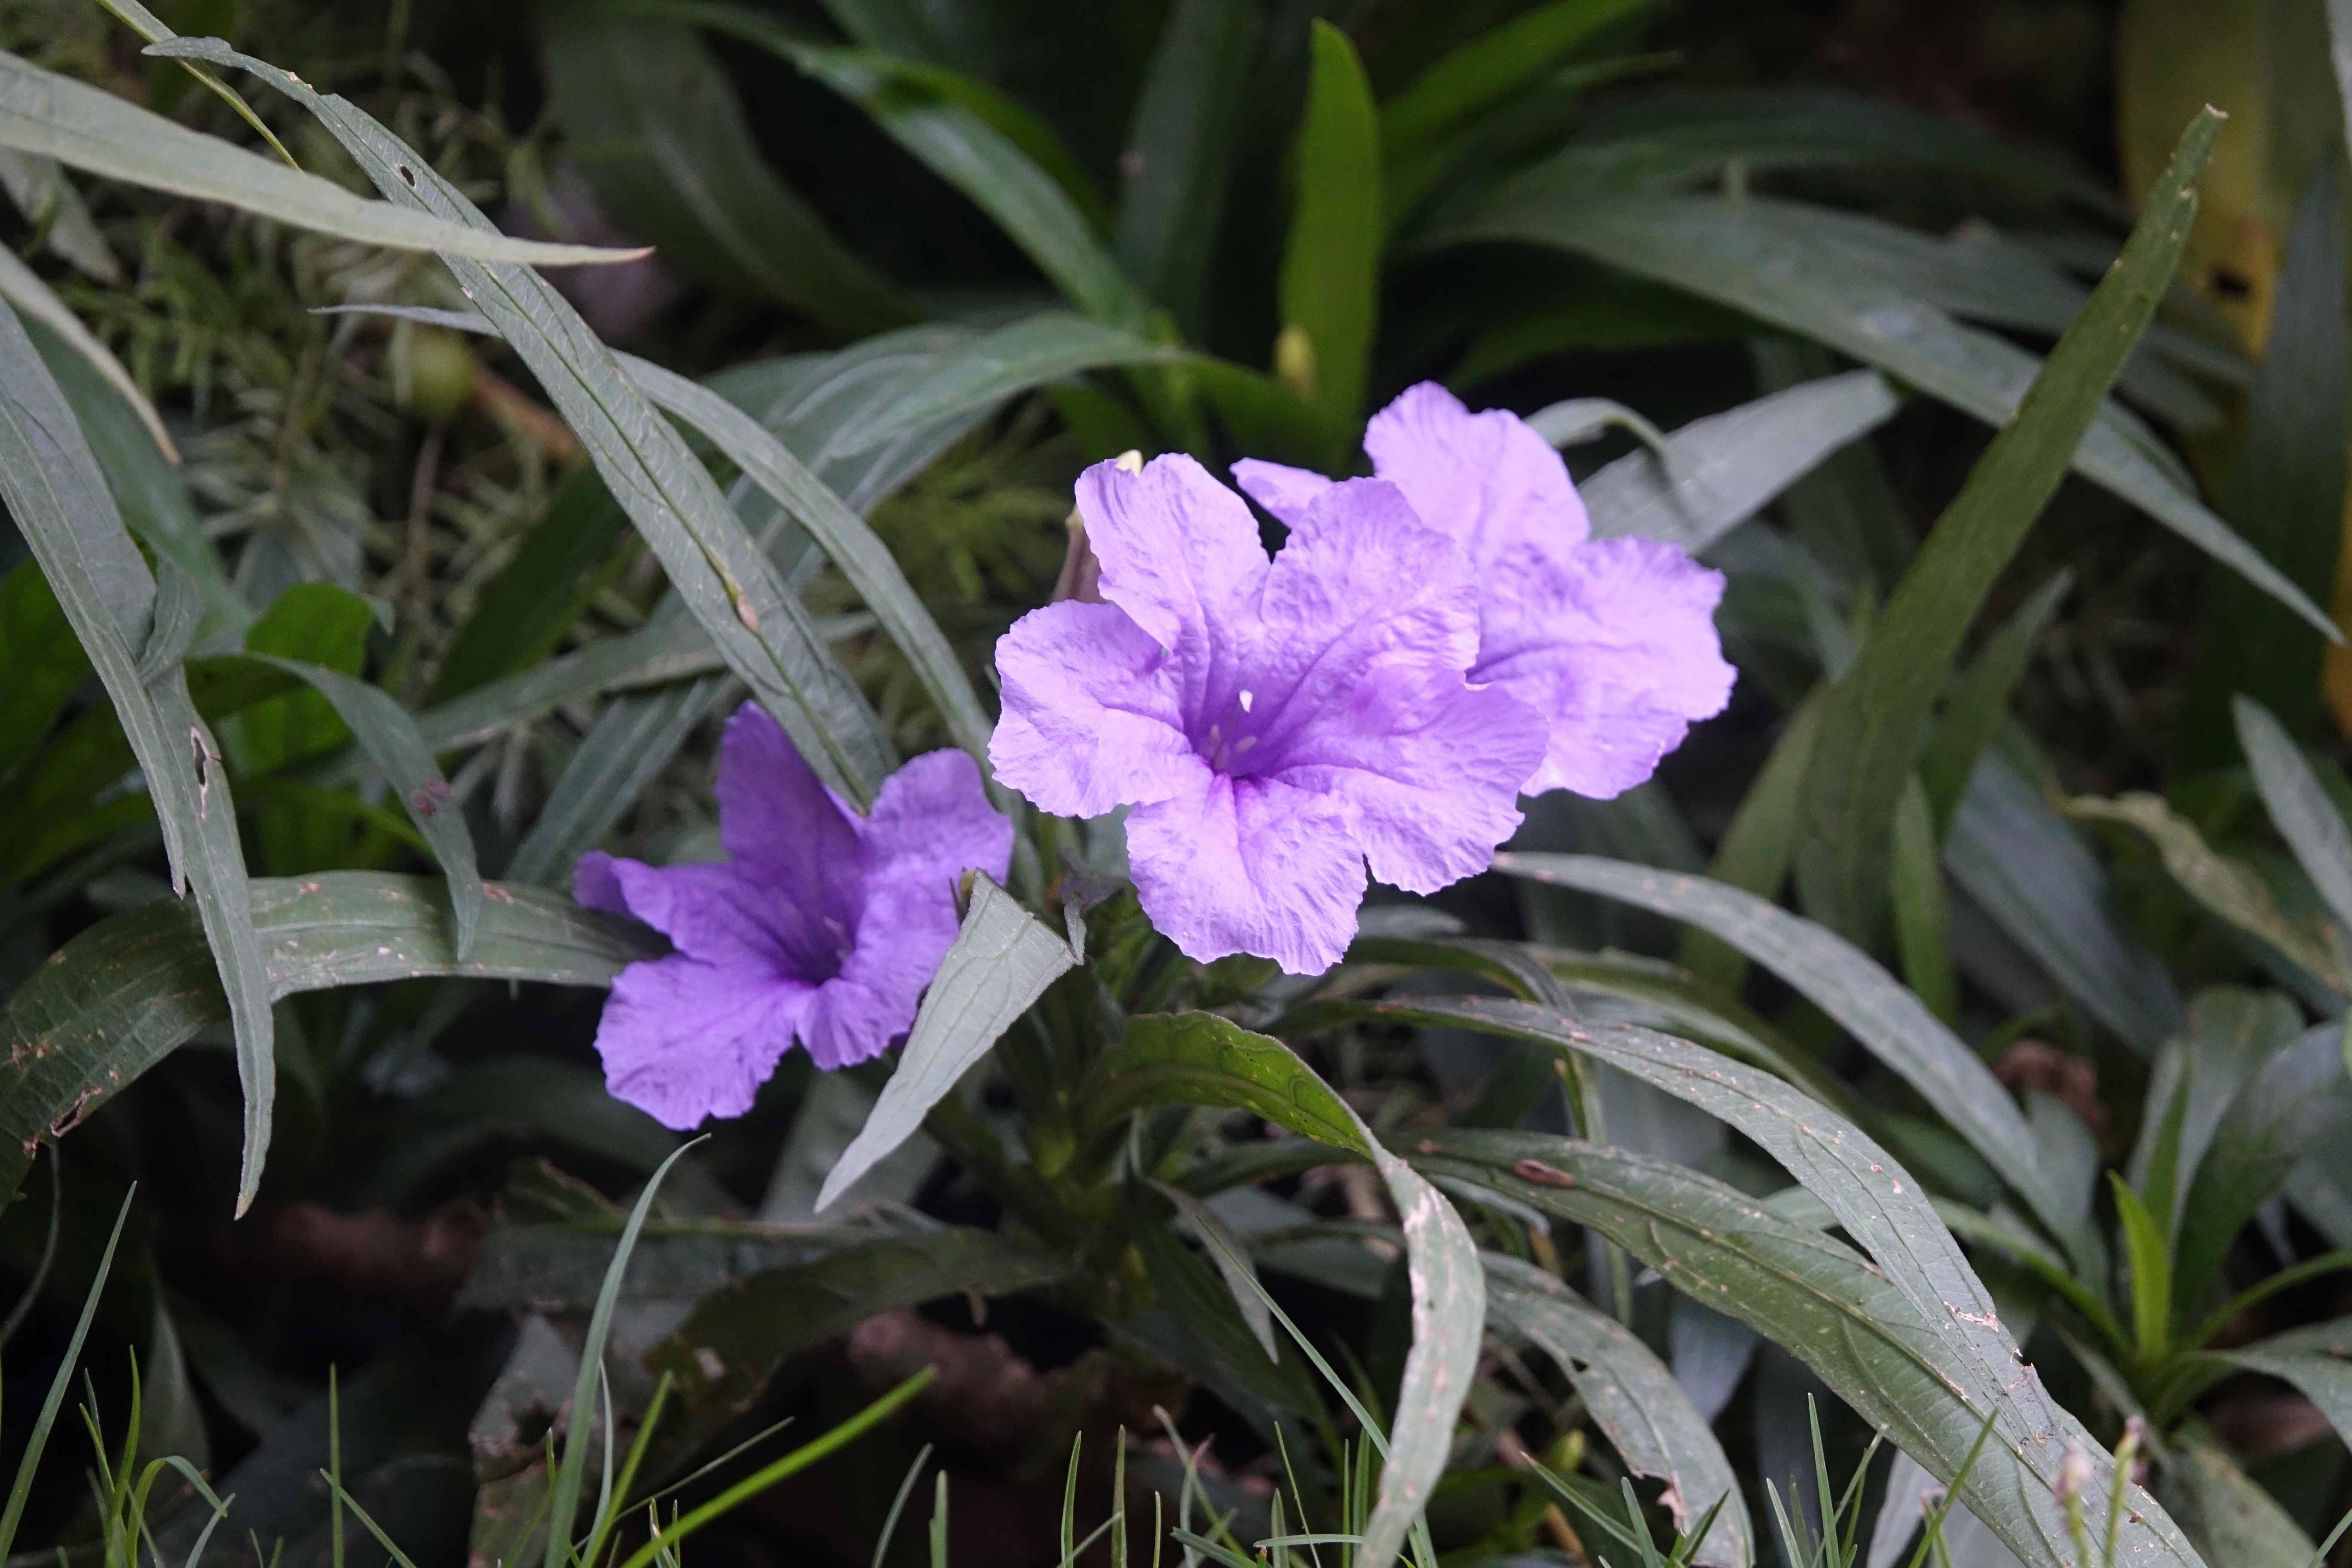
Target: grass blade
[{"x": 21, "y": 1490}]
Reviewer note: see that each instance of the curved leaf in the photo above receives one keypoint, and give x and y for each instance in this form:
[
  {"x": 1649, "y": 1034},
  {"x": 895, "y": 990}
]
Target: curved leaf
[
  {"x": 87, "y": 128},
  {"x": 1843, "y": 982},
  {"x": 1863, "y": 1335},
  {"x": 762, "y": 629},
  {"x": 1729, "y": 464},
  {"x": 60, "y": 500},
  {"x": 123, "y": 994},
  {"x": 1721, "y": 251},
  {"x": 1632, "y": 1398},
  {"x": 1200, "y": 1059},
  {"x": 2299, "y": 806},
  {"x": 2299, "y": 1096},
  {"x": 653, "y": 119}
]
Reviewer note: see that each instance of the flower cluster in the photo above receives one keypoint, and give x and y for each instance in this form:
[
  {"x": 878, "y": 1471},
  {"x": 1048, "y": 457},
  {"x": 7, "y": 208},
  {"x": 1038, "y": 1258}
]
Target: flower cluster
[{"x": 1427, "y": 645}]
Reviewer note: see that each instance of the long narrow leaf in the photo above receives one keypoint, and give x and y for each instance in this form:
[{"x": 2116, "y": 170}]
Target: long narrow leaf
[
  {"x": 87, "y": 128},
  {"x": 1870, "y": 726},
  {"x": 765, "y": 634},
  {"x": 1329, "y": 282},
  {"x": 62, "y": 506}
]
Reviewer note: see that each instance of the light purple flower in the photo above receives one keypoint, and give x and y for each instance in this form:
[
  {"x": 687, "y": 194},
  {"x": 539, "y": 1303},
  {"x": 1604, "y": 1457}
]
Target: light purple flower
[
  {"x": 1612, "y": 639},
  {"x": 820, "y": 924},
  {"x": 1275, "y": 724}
]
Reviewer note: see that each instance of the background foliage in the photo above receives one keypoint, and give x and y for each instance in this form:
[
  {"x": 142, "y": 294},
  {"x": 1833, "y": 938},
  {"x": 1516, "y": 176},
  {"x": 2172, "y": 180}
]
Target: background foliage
[{"x": 1972, "y": 986}]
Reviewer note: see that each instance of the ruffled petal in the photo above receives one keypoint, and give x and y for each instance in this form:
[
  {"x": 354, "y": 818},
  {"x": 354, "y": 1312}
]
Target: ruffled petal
[
  {"x": 911, "y": 923},
  {"x": 1179, "y": 551},
  {"x": 1250, "y": 865},
  {"x": 682, "y": 1039},
  {"x": 1486, "y": 480},
  {"x": 1615, "y": 644},
  {"x": 1093, "y": 715},
  {"x": 1431, "y": 767},
  {"x": 708, "y": 911},
  {"x": 1283, "y": 491},
  {"x": 931, "y": 822}
]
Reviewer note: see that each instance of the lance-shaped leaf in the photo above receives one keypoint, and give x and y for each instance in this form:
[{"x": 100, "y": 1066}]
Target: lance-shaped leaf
[
  {"x": 1329, "y": 282},
  {"x": 1728, "y": 465},
  {"x": 123, "y": 994},
  {"x": 89, "y": 128},
  {"x": 1872, "y": 724},
  {"x": 1859, "y": 1330},
  {"x": 1200, "y": 1058},
  {"x": 1845, "y": 983},
  {"x": 2299, "y": 806},
  {"x": 22, "y": 288},
  {"x": 1181, "y": 144},
  {"x": 59, "y": 497},
  {"x": 2297, "y": 1100},
  {"x": 1002, "y": 962},
  {"x": 1719, "y": 251},
  {"x": 759, "y": 627},
  {"x": 1633, "y": 1397},
  {"x": 1011, "y": 360}
]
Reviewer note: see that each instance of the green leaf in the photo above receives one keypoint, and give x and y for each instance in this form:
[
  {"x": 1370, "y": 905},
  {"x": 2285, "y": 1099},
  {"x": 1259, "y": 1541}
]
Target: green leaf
[
  {"x": 44, "y": 662},
  {"x": 653, "y": 122},
  {"x": 388, "y": 734},
  {"x": 2299, "y": 806},
  {"x": 2229, "y": 1033},
  {"x": 1227, "y": 1318},
  {"x": 2018, "y": 860},
  {"x": 1178, "y": 156},
  {"x": 1875, "y": 1345},
  {"x": 1631, "y": 1397},
  {"x": 1002, "y": 962},
  {"x": 59, "y": 498},
  {"x": 152, "y": 493},
  {"x": 987, "y": 146},
  {"x": 1328, "y": 287},
  {"x": 2231, "y": 1516},
  {"x": 1200, "y": 1059},
  {"x": 765, "y": 635},
  {"x": 632, "y": 740},
  {"x": 1978, "y": 702},
  {"x": 2286, "y": 496},
  {"x": 123, "y": 994},
  {"x": 1920, "y": 916},
  {"x": 89, "y": 128},
  {"x": 149, "y": 26},
  {"x": 2227, "y": 887},
  {"x": 1754, "y": 852},
  {"x": 540, "y": 594},
  {"x": 2299, "y": 1096},
  {"x": 1872, "y": 722},
  {"x": 1842, "y": 981},
  {"x": 1011, "y": 360},
  {"x": 840, "y": 533},
  {"x": 1724, "y": 251},
  {"x": 1688, "y": 138},
  {"x": 1730, "y": 463},
  {"x": 22, "y": 288},
  {"x": 1492, "y": 67},
  {"x": 736, "y": 1338},
  {"x": 2149, "y": 1258}
]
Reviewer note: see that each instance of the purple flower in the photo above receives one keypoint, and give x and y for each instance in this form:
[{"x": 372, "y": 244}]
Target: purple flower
[
  {"x": 1275, "y": 724},
  {"x": 822, "y": 924},
  {"x": 1612, "y": 641}
]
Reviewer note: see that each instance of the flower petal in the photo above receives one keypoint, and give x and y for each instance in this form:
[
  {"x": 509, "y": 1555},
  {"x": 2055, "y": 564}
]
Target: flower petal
[
  {"x": 1283, "y": 491},
  {"x": 911, "y": 923},
  {"x": 1614, "y": 642},
  {"x": 1179, "y": 551},
  {"x": 1250, "y": 865},
  {"x": 708, "y": 911},
  {"x": 931, "y": 822},
  {"x": 1484, "y": 480},
  {"x": 1092, "y": 712},
  {"x": 682, "y": 1039}
]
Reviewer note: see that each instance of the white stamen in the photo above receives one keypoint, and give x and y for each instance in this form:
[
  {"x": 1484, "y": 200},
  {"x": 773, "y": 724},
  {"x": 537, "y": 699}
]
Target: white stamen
[
  {"x": 1248, "y": 696},
  {"x": 1243, "y": 744}
]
